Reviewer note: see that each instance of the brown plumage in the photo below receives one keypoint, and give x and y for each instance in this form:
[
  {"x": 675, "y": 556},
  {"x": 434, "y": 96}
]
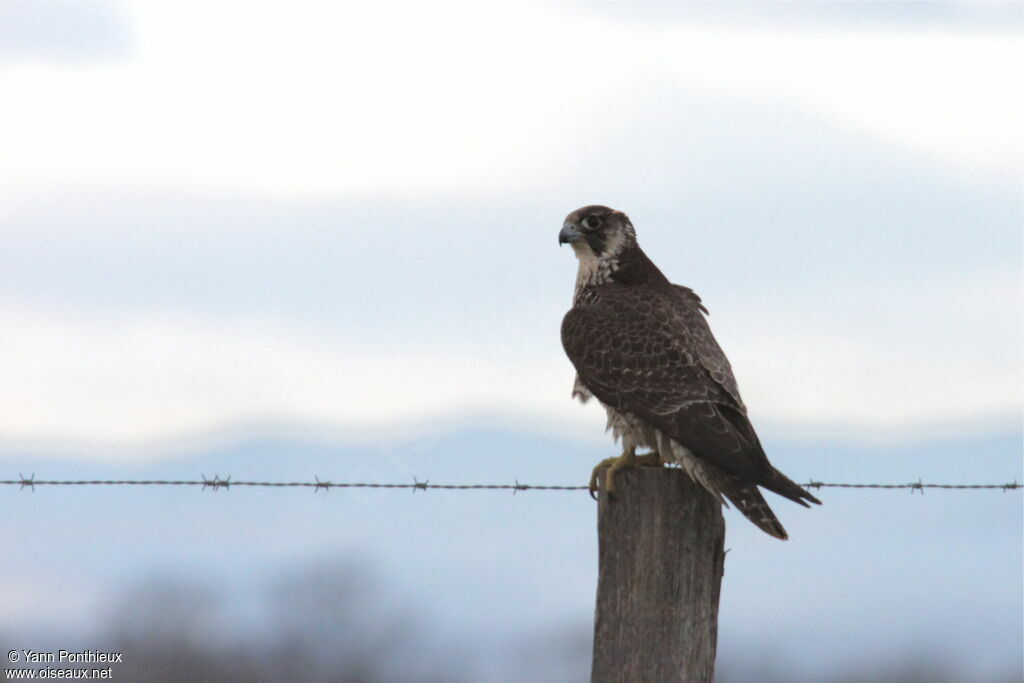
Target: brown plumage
[{"x": 643, "y": 347}]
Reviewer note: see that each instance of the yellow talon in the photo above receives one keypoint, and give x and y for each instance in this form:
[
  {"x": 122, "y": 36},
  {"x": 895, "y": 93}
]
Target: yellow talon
[
  {"x": 629, "y": 458},
  {"x": 607, "y": 462}
]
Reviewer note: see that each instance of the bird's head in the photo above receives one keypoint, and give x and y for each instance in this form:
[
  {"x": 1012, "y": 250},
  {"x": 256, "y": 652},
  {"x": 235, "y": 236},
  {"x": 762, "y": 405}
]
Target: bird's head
[{"x": 597, "y": 232}]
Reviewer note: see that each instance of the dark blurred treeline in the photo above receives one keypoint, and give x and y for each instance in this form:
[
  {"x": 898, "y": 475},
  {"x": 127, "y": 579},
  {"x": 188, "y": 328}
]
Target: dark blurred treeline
[
  {"x": 331, "y": 623},
  {"x": 337, "y": 623}
]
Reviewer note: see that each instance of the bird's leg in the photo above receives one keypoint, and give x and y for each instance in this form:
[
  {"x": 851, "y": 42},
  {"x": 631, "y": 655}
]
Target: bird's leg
[
  {"x": 612, "y": 465},
  {"x": 629, "y": 458}
]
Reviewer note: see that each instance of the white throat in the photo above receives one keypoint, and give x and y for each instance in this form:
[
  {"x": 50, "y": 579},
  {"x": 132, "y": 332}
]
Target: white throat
[{"x": 593, "y": 269}]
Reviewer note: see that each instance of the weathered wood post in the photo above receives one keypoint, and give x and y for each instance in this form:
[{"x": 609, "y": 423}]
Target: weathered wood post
[{"x": 661, "y": 558}]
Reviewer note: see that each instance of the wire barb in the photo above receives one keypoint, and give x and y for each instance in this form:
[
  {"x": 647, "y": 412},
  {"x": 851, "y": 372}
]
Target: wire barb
[{"x": 216, "y": 483}]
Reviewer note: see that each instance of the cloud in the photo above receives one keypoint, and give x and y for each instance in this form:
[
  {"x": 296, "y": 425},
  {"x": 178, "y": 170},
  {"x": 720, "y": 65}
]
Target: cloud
[
  {"x": 942, "y": 353},
  {"x": 64, "y": 32},
  {"x": 131, "y": 379},
  {"x": 457, "y": 100},
  {"x": 907, "y": 16},
  {"x": 339, "y": 216}
]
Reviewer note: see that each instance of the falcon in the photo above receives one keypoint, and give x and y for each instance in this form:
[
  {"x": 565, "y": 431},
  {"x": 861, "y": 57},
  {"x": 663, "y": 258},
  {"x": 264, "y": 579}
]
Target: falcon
[{"x": 642, "y": 346}]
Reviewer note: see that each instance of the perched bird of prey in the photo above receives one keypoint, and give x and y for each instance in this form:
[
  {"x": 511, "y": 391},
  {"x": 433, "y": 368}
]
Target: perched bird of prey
[{"x": 643, "y": 347}]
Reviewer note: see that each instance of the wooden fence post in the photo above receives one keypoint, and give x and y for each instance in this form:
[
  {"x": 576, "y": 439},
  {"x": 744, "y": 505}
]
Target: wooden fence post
[{"x": 661, "y": 558}]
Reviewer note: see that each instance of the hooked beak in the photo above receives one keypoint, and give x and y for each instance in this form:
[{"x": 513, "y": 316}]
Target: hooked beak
[{"x": 569, "y": 233}]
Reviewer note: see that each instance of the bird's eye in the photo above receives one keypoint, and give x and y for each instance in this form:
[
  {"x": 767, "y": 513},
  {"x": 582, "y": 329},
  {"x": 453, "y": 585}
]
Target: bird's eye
[{"x": 592, "y": 222}]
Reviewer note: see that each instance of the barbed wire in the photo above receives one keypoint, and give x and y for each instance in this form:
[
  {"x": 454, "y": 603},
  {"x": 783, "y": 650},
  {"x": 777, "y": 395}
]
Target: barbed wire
[{"x": 217, "y": 483}]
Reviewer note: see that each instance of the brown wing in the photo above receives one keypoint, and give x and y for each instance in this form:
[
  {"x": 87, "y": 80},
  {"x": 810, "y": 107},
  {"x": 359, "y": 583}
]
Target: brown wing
[
  {"x": 635, "y": 352},
  {"x": 691, "y": 312}
]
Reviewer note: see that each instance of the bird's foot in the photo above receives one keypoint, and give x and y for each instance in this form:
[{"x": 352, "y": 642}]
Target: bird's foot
[{"x": 629, "y": 458}]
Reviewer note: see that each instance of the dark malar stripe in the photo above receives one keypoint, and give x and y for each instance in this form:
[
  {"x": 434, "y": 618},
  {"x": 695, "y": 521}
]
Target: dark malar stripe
[{"x": 596, "y": 242}]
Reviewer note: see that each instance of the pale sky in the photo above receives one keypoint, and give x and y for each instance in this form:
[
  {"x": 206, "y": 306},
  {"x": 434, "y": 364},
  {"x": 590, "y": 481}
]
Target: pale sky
[{"x": 345, "y": 217}]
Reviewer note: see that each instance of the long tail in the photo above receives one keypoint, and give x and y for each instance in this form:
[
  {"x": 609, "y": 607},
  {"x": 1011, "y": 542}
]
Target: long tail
[
  {"x": 748, "y": 500},
  {"x": 787, "y": 488},
  {"x": 742, "y": 493}
]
